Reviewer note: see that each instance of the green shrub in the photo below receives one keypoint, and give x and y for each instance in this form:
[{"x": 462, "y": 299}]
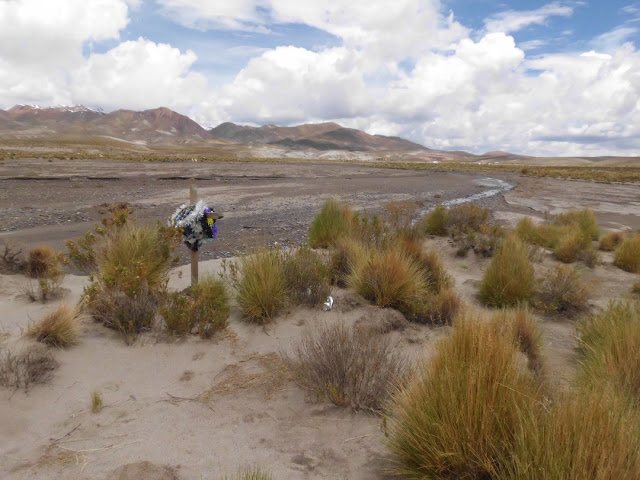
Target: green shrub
[
  {"x": 329, "y": 225},
  {"x": 509, "y": 279},
  {"x": 563, "y": 291},
  {"x": 610, "y": 241},
  {"x": 582, "y": 435},
  {"x": 459, "y": 416},
  {"x": 543, "y": 235},
  {"x": 262, "y": 287},
  {"x": 390, "y": 278},
  {"x": 58, "y": 328},
  {"x": 627, "y": 255},
  {"x": 610, "y": 347},
  {"x": 435, "y": 222},
  {"x": 307, "y": 276},
  {"x": 205, "y": 308},
  {"x": 351, "y": 367}
]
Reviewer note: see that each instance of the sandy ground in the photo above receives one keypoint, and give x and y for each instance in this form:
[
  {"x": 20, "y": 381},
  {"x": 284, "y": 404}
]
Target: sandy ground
[{"x": 253, "y": 415}]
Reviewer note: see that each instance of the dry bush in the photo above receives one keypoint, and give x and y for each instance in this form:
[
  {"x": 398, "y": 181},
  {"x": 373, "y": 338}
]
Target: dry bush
[
  {"x": 137, "y": 256},
  {"x": 369, "y": 230},
  {"x": 509, "y": 279},
  {"x": 429, "y": 262},
  {"x": 401, "y": 216},
  {"x": 96, "y": 401},
  {"x": 627, "y": 255},
  {"x": 562, "y": 291},
  {"x": 436, "y": 308},
  {"x": 636, "y": 287},
  {"x": 488, "y": 239},
  {"x": 435, "y": 222},
  {"x": 569, "y": 248},
  {"x": 330, "y": 224},
  {"x": 307, "y": 276},
  {"x": 467, "y": 216},
  {"x": 82, "y": 252},
  {"x": 525, "y": 331},
  {"x": 610, "y": 347},
  {"x": 610, "y": 241},
  {"x": 459, "y": 416},
  {"x": 59, "y": 328},
  {"x": 346, "y": 253},
  {"x": 11, "y": 258},
  {"x": 44, "y": 272},
  {"x": 585, "y": 435},
  {"x": 129, "y": 314},
  {"x": 204, "y": 308},
  {"x": 389, "y": 278},
  {"x": 262, "y": 287},
  {"x": 133, "y": 265},
  {"x": 584, "y": 219},
  {"x": 31, "y": 366},
  {"x": 353, "y": 367},
  {"x": 251, "y": 473}
]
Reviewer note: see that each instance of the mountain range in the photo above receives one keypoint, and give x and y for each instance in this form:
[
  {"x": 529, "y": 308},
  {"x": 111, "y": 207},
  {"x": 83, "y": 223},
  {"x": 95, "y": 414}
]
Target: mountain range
[{"x": 163, "y": 126}]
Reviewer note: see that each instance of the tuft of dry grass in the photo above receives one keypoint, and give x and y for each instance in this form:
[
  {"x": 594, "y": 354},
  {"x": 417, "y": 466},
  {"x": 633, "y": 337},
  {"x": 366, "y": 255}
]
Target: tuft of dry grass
[
  {"x": 436, "y": 308},
  {"x": 96, "y": 401},
  {"x": 58, "y": 328},
  {"x": 610, "y": 241},
  {"x": 526, "y": 332},
  {"x": 331, "y": 223},
  {"x": 307, "y": 276},
  {"x": 351, "y": 367},
  {"x": 389, "y": 278},
  {"x": 563, "y": 291},
  {"x": 509, "y": 279},
  {"x": 33, "y": 365},
  {"x": 592, "y": 435},
  {"x": 41, "y": 260},
  {"x": 44, "y": 272},
  {"x": 627, "y": 255},
  {"x": 347, "y": 252},
  {"x": 262, "y": 287},
  {"x": 459, "y": 415},
  {"x": 429, "y": 262},
  {"x": 610, "y": 347}
]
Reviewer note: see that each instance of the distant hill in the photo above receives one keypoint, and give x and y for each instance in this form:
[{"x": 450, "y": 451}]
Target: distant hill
[
  {"x": 163, "y": 126},
  {"x": 320, "y": 136}
]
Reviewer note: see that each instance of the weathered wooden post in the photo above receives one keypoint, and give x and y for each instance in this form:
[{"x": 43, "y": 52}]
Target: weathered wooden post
[{"x": 193, "y": 199}]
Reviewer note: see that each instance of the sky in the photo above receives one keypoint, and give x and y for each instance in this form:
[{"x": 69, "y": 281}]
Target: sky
[{"x": 552, "y": 78}]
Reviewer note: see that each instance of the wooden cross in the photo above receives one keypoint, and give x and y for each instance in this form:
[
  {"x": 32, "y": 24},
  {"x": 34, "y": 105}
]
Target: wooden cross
[{"x": 193, "y": 199}]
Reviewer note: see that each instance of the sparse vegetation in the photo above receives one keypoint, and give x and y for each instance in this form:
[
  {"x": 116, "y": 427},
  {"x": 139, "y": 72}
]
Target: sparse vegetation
[
  {"x": 58, "y": 328},
  {"x": 204, "y": 308},
  {"x": 610, "y": 241},
  {"x": 262, "y": 287},
  {"x": 562, "y": 291},
  {"x": 401, "y": 216},
  {"x": 33, "y": 365},
  {"x": 352, "y": 367},
  {"x": 460, "y": 414},
  {"x": 627, "y": 255},
  {"x": 509, "y": 279},
  {"x": 610, "y": 345},
  {"x": 307, "y": 276},
  {"x": 11, "y": 258},
  {"x": 96, "y": 401}
]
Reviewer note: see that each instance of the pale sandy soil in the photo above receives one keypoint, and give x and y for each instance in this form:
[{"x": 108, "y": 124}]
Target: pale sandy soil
[{"x": 253, "y": 414}]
